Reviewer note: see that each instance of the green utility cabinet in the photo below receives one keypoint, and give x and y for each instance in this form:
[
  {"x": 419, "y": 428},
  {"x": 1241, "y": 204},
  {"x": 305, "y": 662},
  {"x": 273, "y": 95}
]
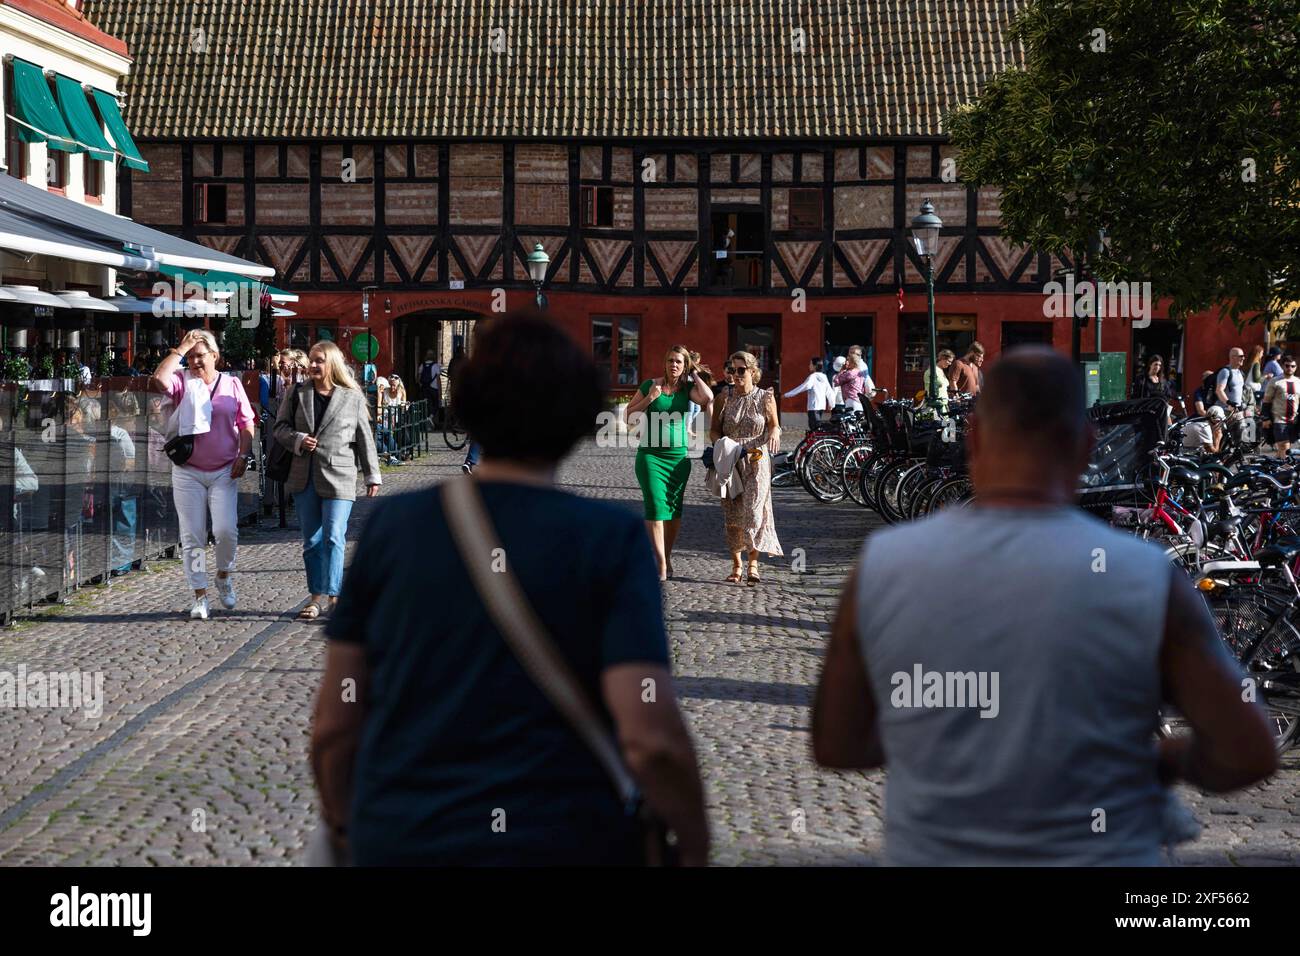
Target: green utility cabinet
[{"x": 1104, "y": 378}]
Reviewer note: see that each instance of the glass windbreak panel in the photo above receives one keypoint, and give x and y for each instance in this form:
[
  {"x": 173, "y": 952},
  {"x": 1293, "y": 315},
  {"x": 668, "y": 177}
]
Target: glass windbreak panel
[
  {"x": 629, "y": 351},
  {"x": 158, "y": 513},
  {"x": 10, "y": 472},
  {"x": 127, "y": 461},
  {"x": 38, "y": 437}
]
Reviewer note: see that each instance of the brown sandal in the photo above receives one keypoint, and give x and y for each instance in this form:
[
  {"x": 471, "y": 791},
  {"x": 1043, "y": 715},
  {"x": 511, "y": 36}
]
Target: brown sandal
[
  {"x": 751, "y": 574},
  {"x": 733, "y": 577}
]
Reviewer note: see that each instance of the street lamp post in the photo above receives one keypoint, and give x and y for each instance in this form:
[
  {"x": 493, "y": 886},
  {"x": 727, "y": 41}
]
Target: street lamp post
[
  {"x": 538, "y": 261},
  {"x": 925, "y": 236}
]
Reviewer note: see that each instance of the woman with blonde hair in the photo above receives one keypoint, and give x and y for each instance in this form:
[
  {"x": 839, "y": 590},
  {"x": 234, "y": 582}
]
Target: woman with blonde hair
[
  {"x": 214, "y": 414},
  {"x": 663, "y": 466},
  {"x": 748, "y": 416},
  {"x": 325, "y": 422}
]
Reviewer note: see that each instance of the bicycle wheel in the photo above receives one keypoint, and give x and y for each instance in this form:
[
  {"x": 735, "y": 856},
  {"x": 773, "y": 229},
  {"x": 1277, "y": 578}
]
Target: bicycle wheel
[
  {"x": 887, "y": 489},
  {"x": 787, "y": 476},
  {"x": 870, "y": 475},
  {"x": 454, "y": 435},
  {"x": 913, "y": 479},
  {"x": 851, "y": 471},
  {"x": 921, "y": 497},
  {"x": 953, "y": 493},
  {"x": 1274, "y": 665},
  {"x": 821, "y": 470}
]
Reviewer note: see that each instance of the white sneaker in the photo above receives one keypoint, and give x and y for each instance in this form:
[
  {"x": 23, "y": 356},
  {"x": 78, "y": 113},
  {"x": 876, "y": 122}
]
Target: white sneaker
[
  {"x": 200, "y": 610},
  {"x": 226, "y": 588}
]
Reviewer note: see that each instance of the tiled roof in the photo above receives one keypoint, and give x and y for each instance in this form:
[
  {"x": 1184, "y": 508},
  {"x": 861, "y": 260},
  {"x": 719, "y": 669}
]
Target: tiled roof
[
  {"x": 59, "y": 14},
  {"x": 598, "y": 68}
]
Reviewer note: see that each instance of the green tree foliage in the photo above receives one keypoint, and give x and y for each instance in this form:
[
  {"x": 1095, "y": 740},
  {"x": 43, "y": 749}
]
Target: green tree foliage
[
  {"x": 1172, "y": 124},
  {"x": 237, "y": 345}
]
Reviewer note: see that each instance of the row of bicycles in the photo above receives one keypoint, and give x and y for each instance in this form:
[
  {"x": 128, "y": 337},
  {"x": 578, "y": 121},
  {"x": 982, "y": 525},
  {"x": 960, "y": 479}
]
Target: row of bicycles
[
  {"x": 886, "y": 458},
  {"x": 1235, "y": 528},
  {"x": 1230, "y": 520}
]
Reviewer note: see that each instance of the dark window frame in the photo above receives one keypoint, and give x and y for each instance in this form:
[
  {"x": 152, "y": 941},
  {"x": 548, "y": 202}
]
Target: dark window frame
[
  {"x": 16, "y": 156},
  {"x": 93, "y": 169},
  {"x": 617, "y": 348},
  {"x": 203, "y": 204},
  {"x": 808, "y": 197},
  {"x": 596, "y": 203}
]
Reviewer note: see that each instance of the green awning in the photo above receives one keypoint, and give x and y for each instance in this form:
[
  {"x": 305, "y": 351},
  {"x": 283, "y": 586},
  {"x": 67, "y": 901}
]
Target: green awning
[
  {"x": 225, "y": 281},
  {"x": 81, "y": 120},
  {"x": 39, "y": 120},
  {"x": 117, "y": 129}
]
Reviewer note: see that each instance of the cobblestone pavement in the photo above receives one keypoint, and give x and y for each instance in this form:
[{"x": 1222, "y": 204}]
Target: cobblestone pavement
[{"x": 208, "y": 722}]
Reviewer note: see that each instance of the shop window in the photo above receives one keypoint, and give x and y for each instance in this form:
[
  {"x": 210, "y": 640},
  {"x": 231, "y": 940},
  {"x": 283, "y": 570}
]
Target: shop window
[
  {"x": 300, "y": 336},
  {"x": 616, "y": 348},
  {"x": 597, "y": 206}
]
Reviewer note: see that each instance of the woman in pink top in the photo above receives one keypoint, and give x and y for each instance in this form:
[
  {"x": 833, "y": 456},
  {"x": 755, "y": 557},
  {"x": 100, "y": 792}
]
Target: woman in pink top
[{"x": 208, "y": 480}]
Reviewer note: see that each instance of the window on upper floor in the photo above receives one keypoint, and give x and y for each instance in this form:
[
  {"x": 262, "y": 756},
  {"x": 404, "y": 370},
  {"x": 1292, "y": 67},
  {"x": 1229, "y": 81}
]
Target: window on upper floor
[
  {"x": 56, "y": 169},
  {"x": 15, "y": 148},
  {"x": 597, "y": 206},
  {"x": 805, "y": 209},
  {"x": 94, "y": 178},
  {"x": 209, "y": 202}
]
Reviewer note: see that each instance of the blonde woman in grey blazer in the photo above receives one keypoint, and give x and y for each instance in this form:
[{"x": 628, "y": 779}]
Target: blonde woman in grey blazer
[{"x": 325, "y": 422}]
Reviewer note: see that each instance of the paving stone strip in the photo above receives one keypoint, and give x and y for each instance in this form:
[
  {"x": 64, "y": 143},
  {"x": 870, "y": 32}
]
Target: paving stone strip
[{"x": 200, "y": 756}]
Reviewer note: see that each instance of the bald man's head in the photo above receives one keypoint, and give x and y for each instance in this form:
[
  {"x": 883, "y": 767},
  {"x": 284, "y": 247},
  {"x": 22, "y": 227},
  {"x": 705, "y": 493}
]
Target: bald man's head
[{"x": 1033, "y": 398}]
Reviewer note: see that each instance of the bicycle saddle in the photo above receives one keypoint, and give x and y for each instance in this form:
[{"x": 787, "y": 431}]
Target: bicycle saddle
[
  {"x": 1281, "y": 551},
  {"x": 1225, "y": 527},
  {"x": 1186, "y": 476}
]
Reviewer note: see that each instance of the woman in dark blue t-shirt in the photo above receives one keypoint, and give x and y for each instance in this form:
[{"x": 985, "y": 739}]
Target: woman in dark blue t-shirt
[{"x": 454, "y": 756}]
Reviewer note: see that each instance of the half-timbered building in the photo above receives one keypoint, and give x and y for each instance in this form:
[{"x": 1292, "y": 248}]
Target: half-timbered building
[{"x": 722, "y": 175}]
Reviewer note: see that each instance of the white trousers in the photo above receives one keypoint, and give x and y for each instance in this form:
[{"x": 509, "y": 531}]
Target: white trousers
[{"x": 195, "y": 492}]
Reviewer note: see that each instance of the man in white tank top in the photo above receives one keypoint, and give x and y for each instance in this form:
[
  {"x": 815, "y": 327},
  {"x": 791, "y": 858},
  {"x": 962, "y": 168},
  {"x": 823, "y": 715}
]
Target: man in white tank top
[{"x": 1005, "y": 662}]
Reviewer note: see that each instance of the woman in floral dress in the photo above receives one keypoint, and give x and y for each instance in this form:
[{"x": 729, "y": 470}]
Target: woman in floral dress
[{"x": 747, "y": 414}]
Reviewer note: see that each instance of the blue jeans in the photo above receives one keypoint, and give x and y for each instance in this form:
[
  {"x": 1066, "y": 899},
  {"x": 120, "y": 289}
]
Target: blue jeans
[
  {"x": 324, "y": 524},
  {"x": 471, "y": 456},
  {"x": 387, "y": 443}
]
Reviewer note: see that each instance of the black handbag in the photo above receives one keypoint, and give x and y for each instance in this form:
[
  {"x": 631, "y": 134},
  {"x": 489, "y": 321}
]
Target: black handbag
[
  {"x": 279, "y": 460},
  {"x": 180, "y": 448}
]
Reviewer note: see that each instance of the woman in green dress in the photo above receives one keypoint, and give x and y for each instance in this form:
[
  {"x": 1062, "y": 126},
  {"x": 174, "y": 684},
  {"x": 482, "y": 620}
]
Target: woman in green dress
[{"x": 662, "y": 464}]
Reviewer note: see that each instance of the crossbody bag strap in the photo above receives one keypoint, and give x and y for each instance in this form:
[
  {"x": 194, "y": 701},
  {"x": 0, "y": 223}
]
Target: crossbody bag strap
[{"x": 524, "y": 633}]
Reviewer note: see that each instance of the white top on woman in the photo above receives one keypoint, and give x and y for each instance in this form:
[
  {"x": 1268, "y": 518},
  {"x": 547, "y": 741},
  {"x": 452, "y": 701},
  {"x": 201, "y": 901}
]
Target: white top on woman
[{"x": 818, "y": 387}]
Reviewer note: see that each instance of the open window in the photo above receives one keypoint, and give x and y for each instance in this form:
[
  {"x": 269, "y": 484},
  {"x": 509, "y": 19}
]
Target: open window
[
  {"x": 598, "y": 206},
  {"x": 738, "y": 242},
  {"x": 210, "y": 202}
]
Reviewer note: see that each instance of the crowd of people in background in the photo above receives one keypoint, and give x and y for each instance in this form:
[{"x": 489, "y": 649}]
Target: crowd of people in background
[{"x": 1255, "y": 401}]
